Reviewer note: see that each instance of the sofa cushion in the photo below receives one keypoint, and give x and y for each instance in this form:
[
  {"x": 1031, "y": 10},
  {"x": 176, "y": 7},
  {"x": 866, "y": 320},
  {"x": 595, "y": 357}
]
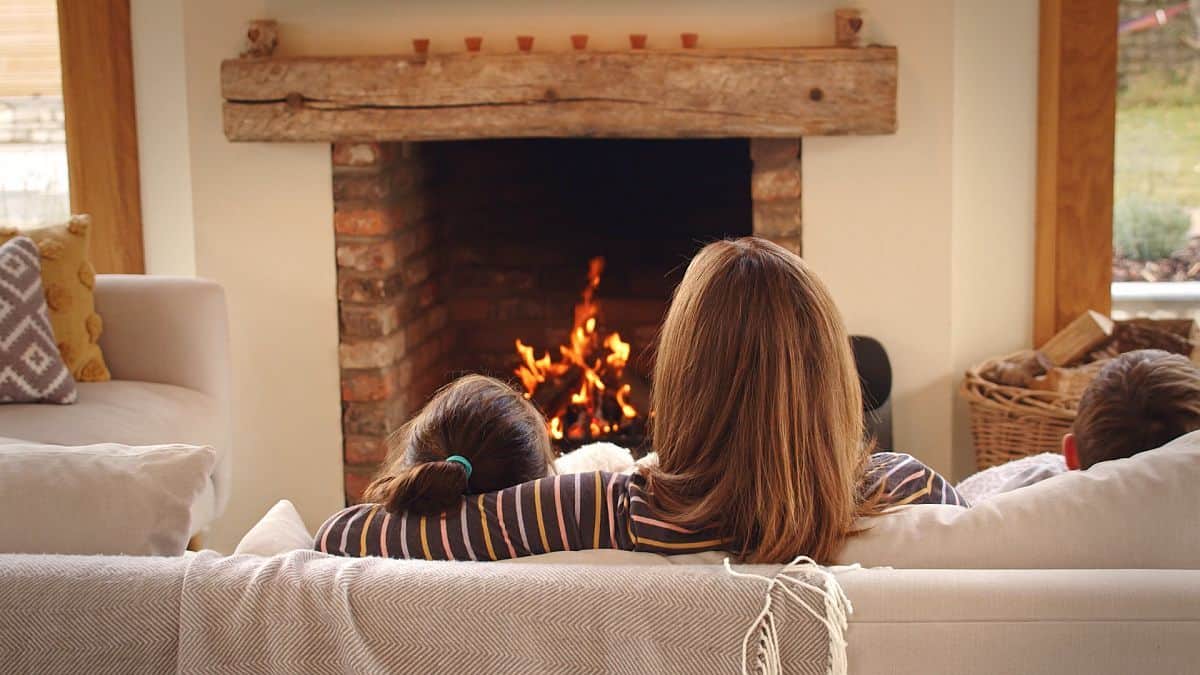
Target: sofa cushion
[
  {"x": 130, "y": 413},
  {"x": 281, "y": 530},
  {"x": 1136, "y": 513},
  {"x": 100, "y": 499},
  {"x": 68, "y": 278},
  {"x": 31, "y": 367}
]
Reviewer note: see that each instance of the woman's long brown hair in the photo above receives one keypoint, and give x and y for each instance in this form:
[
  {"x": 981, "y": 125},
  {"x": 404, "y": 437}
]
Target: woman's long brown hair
[{"x": 757, "y": 406}]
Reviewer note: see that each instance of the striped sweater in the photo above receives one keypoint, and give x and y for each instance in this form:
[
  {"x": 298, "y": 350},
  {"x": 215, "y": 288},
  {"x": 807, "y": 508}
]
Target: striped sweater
[{"x": 573, "y": 512}]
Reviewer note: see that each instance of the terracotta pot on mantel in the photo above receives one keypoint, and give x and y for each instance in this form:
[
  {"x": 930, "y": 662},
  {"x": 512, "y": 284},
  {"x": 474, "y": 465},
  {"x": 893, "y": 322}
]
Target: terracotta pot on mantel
[
  {"x": 637, "y": 40},
  {"x": 421, "y": 46},
  {"x": 579, "y": 41},
  {"x": 525, "y": 43},
  {"x": 474, "y": 43},
  {"x": 689, "y": 40}
]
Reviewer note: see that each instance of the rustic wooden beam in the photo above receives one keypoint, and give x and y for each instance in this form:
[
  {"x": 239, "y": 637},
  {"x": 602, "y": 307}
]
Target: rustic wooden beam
[
  {"x": 1077, "y": 95},
  {"x": 694, "y": 93}
]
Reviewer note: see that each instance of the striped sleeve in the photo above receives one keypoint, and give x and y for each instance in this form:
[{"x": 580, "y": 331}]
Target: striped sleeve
[
  {"x": 902, "y": 479},
  {"x": 557, "y": 513}
]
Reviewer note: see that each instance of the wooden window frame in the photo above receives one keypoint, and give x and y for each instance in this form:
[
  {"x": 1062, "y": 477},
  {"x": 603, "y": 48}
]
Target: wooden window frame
[
  {"x": 1077, "y": 93},
  {"x": 96, "y": 49}
]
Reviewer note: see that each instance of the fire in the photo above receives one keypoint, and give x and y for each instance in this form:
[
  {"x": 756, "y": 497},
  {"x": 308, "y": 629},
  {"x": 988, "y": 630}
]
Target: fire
[{"x": 582, "y": 393}]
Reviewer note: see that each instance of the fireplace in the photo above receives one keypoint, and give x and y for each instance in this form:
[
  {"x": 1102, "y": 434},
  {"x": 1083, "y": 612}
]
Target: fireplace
[
  {"x": 450, "y": 253},
  {"x": 472, "y": 193}
]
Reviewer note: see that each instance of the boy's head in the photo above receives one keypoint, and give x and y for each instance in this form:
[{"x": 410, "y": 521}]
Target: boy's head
[{"x": 1138, "y": 402}]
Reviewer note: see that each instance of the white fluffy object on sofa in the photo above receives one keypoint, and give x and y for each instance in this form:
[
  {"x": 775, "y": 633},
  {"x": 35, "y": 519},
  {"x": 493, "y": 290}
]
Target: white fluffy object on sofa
[{"x": 595, "y": 457}]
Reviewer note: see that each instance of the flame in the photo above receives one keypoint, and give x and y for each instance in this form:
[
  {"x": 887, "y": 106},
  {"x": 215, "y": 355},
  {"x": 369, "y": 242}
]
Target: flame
[
  {"x": 594, "y": 361},
  {"x": 620, "y": 351},
  {"x": 626, "y": 409}
]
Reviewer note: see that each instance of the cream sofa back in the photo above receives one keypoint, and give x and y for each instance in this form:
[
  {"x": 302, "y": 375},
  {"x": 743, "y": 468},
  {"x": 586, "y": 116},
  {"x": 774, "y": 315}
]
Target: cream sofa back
[{"x": 1136, "y": 513}]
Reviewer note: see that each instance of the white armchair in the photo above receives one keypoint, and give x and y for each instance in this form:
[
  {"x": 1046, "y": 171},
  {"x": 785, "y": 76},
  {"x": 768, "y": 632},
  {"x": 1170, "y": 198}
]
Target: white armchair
[{"x": 166, "y": 342}]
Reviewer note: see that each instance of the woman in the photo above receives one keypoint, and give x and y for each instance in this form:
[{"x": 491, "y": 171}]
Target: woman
[{"x": 758, "y": 428}]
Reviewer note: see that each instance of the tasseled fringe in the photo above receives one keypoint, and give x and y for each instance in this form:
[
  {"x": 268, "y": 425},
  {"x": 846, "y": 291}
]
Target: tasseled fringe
[{"x": 835, "y": 616}]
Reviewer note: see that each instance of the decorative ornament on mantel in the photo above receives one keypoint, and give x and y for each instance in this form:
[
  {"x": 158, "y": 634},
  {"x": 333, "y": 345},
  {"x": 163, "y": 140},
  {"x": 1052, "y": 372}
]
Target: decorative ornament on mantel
[
  {"x": 262, "y": 37},
  {"x": 848, "y": 27},
  {"x": 763, "y": 92}
]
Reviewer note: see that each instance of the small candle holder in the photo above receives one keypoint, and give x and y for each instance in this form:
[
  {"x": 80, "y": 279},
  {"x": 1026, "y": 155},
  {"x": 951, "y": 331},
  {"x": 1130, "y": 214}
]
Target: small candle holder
[
  {"x": 525, "y": 43},
  {"x": 689, "y": 40},
  {"x": 579, "y": 41},
  {"x": 421, "y": 46},
  {"x": 637, "y": 40},
  {"x": 474, "y": 43}
]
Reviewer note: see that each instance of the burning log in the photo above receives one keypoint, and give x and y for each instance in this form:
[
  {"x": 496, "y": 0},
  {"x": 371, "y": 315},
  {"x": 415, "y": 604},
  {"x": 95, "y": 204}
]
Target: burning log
[
  {"x": 583, "y": 394},
  {"x": 554, "y": 395}
]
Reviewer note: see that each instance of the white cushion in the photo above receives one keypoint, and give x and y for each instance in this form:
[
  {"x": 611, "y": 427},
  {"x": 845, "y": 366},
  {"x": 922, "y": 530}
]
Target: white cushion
[
  {"x": 279, "y": 531},
  {"x": 100, "y": 499},
  {"x": 129, "y": 413},
  {"x": 1136, "y": 513}
]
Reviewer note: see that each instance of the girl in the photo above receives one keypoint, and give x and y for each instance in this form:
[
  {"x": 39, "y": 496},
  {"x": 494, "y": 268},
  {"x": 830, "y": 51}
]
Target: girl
[
  {"x": 758, "y": 428},
  {"x": 475, "y": 435}
]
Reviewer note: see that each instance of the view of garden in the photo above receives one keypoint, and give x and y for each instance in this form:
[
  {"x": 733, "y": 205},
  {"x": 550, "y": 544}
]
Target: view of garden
[{"x": 1156, "y": 214}]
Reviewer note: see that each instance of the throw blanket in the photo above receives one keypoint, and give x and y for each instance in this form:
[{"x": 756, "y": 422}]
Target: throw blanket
[
  {"x": 308, "y": 612},
  {"x": 312, "y": 613}
]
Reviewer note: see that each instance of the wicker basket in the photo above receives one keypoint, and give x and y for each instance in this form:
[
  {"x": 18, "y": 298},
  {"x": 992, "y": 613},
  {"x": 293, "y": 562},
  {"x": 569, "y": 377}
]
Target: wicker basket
[{"x": 1010, "y": 422}]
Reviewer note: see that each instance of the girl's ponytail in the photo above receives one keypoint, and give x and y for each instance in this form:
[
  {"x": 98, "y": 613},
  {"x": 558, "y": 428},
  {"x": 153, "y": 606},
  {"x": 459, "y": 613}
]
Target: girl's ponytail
[{"x": 429, "y": 487}]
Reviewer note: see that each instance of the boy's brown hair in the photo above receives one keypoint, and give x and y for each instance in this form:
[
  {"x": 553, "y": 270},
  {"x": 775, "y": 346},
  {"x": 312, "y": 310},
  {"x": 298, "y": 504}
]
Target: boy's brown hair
[
  {"x": 476, "y": 417},
  {"x": 1138, "y": 402}
]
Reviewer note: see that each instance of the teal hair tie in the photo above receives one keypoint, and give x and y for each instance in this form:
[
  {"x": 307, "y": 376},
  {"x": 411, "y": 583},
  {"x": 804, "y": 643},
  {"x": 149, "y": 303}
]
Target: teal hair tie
[{"x": 462, "y": 461}]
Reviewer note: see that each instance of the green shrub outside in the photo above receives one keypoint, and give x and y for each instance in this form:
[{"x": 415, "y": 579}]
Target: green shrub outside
[{"x": 1148, "y": 230}]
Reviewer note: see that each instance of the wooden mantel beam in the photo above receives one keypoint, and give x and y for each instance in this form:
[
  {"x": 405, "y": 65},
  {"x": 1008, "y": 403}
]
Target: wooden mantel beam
[{"x": 695, "y": 93}]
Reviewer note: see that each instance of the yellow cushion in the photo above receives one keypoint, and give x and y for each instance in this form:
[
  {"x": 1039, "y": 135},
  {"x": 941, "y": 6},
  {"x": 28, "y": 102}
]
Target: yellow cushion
[{"x": 68, "y": 277}]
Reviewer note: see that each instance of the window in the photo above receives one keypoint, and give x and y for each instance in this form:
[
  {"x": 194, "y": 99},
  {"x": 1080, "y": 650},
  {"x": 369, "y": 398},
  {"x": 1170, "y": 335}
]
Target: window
[
  {"x": 33, "y": 154},
  {"x": 1156, "y": 195}
]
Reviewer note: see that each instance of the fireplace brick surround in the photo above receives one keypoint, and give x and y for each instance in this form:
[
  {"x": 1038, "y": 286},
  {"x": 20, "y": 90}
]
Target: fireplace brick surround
[{"x": 397, "y": 333}]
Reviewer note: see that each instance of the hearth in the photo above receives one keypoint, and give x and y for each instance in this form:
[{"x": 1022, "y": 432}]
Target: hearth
[{"x": 545, "y": 262}]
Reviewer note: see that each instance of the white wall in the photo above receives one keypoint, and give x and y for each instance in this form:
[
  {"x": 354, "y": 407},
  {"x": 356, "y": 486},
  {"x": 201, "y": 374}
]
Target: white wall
[
  {"x": 900, "y": 226},
  {"x": 995, "y": 154},
  {"x": 261, "y": 216}
]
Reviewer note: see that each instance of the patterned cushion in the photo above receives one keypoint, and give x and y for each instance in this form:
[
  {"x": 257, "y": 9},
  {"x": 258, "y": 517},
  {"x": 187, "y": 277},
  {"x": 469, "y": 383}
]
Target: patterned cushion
[
  {"x": 31, "y": 368},
  {"x": 68, "y": 278}
]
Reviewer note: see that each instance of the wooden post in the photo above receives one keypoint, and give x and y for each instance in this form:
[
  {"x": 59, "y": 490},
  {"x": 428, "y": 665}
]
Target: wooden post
[
  {"x": 847, "y": 27},
  {"x": 1077, "y": 94},
  {"x": 101, "y": 124}
]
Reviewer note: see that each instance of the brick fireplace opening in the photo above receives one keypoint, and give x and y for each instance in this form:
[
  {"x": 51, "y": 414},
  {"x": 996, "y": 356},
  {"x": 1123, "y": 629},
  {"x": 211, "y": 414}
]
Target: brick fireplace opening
[{"x": 448, "y": 252}]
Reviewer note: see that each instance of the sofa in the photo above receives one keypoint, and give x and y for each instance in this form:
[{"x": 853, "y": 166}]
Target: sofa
[
  {"x": 166, "y": 343},
  {"x": 1092, "y": 571}
]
